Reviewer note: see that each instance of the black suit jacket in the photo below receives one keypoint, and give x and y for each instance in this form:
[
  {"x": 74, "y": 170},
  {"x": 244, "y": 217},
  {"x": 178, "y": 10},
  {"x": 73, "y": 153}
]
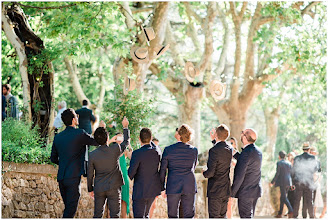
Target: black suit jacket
[
  {"x": 105, "y": 166},
  {"x": 143, "y": 169},
  {"x": 247, "y": 174},
  {"x": 4, "y": 105},
  {"x": 218, "y": 170},
  {"x": 180, "y": 159},
  {"x": 305, "y": 165},
  {"x": 68, "y": 151},
  {"x": 85, "y": 118},
  {"x": 283, "y": 177}
]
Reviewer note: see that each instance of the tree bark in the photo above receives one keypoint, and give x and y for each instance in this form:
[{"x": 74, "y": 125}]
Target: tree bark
[{"x": 271, "y": 124}]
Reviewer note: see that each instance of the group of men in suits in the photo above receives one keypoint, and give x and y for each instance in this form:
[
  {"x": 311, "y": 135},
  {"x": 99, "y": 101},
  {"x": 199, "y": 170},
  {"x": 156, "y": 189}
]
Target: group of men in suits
[
  {"x": 148, "y": 168},
  {"x": 298, "y": 177}
]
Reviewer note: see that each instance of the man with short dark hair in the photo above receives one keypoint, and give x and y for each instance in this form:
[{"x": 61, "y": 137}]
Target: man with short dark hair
[
  {"x": 104, "y": 162},
  {"x": 12, "y": 103},
  {"x": 305, "y": 166},
  {"x": 85, "y": 117},
  {"x": 247, "y": 175},
  {"x": 68, "y": 151},
  {"x": 180, "y": 159},
  {"x": 283, "y": 180},
  {"x": 218, "y": 174},
  {"x": 144, "y": 170}
]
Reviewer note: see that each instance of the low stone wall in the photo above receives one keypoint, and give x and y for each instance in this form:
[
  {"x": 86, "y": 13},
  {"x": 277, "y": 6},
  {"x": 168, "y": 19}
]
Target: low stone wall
[{"x": 31, "y": 191}]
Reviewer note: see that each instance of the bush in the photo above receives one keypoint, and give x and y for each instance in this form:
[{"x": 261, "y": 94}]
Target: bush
[{"x": 21, "y": 144}]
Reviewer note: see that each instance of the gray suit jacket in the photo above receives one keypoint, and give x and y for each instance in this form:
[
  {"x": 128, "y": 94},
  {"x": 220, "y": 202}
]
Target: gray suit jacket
[{"x": 105, "y": 166}]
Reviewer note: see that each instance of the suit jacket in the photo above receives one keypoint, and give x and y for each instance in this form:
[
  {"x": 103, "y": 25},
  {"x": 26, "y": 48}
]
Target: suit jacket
[
  {"x": 143, "y": 169},
  {"x": 218, "y": 170},
  {"x": 180, "y": 159},
  {"x": 68, "y": 151},
  {"x": 305, "y": 165},
  {"x": 247, "y": 173},
  {"x": 4, "y": 105},
  {"x": 283, "y": 177},
  {"x": 105, "y": 166},
  {"x": 85, "y": 118}
]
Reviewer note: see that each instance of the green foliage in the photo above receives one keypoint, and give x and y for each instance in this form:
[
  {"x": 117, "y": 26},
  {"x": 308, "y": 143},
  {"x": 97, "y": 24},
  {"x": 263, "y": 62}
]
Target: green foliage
[
  {"x": 21, "y": 144},
  {"x": 139, "y": 111}
]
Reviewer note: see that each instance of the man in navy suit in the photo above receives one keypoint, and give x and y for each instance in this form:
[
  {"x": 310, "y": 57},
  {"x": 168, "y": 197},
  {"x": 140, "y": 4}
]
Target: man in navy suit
[
  {"x": 143, "y": 169},
  {"x": 247, "y": 177},
  {"x": 85, "y": 117},
  {"x": 218, "y": 174},
  {"x": 68, "y": 151},
  {"x": 283, "y": 180},
  {"x": 180, "y": 159}
]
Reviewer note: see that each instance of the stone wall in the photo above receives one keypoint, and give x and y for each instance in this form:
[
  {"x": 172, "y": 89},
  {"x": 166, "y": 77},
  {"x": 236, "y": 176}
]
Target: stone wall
[{"x": 31, "y": 191}]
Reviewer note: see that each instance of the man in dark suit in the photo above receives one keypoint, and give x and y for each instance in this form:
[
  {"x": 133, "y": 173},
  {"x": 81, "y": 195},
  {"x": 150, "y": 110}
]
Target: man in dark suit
[
  {"x": 104, "y": 162},
  {"x": 305, "y": 165},
  {"x": 180, "y": 159},
  {"x": 143, "y": 169},
  {"x": 218, "y": 171},
  {"x": 3, "y": 107},
  {"x": 247, "y": 177},
  {"x": 85, "y": 117},
  {"x": 68, "y": 151},
  {"x": 283, "y": 180}
]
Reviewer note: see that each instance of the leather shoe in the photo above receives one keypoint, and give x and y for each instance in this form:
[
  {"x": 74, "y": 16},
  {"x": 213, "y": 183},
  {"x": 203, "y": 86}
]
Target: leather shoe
[
  {"x": 291, "y": 215},
  {"x": 278, "y": 216}
]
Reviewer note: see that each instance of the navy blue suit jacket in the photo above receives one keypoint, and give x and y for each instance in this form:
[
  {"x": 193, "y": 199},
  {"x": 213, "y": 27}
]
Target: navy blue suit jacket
[
  {"x": 247, "y": 173},
  {"x": 180, "y": 159},
  {"x": 143, "y": 169},
  {"x": 68, "y": 151},
  {"x": 283, "y": 177},
  {"x": 85, "y": 118},
  {"x": 305, "y": 165}
]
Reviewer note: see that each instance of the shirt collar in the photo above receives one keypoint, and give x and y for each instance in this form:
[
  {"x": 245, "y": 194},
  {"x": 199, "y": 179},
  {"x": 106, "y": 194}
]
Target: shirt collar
[
  {"x": 246, "y": 146},
  {"x": 84, "y": 106}
]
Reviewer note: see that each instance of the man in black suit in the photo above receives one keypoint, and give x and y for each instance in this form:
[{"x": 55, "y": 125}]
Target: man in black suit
[
  {"x": 3, "y": 107},
  {"x": 85, "y": 117},
  {"x": 68, "y": 151},
  {"x": 104, "y": 162},
  {"x": 143, "y": 169},
  {"x": 218, "y": 171},
  {"x": 180, "y": 159},
  {"x": 305, "y": 165},
  {"x": 247, "y": 177},
  {"x": 283, "y": 180}
]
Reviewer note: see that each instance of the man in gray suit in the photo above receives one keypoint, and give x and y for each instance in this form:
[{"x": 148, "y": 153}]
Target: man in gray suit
[{"x": 104, "y": 161}]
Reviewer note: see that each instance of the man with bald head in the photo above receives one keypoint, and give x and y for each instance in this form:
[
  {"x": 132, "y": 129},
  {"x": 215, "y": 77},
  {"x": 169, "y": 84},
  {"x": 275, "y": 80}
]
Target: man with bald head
[{"x": 247, "y": 175}]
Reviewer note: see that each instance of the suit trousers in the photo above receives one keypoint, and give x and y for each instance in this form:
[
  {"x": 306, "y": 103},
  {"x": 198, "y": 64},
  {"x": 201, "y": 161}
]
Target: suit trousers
[
  {"x": 284, "y": 200},
  {"x": 246, "y": 207},
  {"x": 291, "y": 197},
  {"x": 113, "y": 197},
  {"x": 141, "y": 207},
  {"x": 186, "y": 200},
  {"x": 217, "y": 207},
  {"x": 305, "y": 210},
  {"x": 304, "y": 191},
  {"x": 70, "y": 192}
]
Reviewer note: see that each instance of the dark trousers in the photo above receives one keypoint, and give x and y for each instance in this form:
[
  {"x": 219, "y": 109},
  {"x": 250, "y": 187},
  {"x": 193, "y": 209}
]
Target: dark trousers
[
  {"x": 246, "y": 207},
  {"x": 305, "y": 207},
  {"x": 141, "y": 207},
  {"x": 291, "y": 197},
  {"x": 217, "y": 207},
  {"x": 186, "y": 200},
  {"x": 307, "y": 194},
  {"x": 113, "y": 197},
  {"x": 70, "y": 192},
  {"x": 284, "y": 200}
]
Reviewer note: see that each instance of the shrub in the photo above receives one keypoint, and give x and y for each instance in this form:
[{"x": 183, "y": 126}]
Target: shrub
[{"x": 23, "y": 144}]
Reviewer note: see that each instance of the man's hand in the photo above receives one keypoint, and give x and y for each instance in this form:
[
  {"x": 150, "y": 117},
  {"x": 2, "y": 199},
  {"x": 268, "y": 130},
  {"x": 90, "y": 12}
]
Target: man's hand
[
  {"x": 102, "y": 124},
  {"x": 212, "y": 134},
  {"x": 92, "y": 194},
  {"x": 271, "y": 184},
  {"x": 292, "y": 188},
  {"x": 125, "y": 122},
  {"x": 112, "y": 140}
]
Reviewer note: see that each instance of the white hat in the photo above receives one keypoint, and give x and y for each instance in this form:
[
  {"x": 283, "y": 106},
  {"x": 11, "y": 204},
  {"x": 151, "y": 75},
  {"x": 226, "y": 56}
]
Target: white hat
[
  {"x": 129, "y": 85},
  {"x": 139, "y": 54},
  {"x": 159, "y": 50},
  {"x": 190, "y": 71},
  {"x": 218, "y": 89},
  {"x": 149, "y": 33}
]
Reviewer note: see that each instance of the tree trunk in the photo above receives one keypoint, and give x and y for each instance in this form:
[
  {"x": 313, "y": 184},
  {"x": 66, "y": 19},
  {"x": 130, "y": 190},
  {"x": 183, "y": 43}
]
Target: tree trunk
[
  {"x": 39, "y": 88},
  {"x": 271, "y": 122}
]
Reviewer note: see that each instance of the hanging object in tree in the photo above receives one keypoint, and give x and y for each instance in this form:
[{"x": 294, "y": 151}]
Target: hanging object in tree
[
  {"x": 129, "y": 85},
  {"x": 191, "y": 72},
  {"x": 139, "y": 54},
  {"x": 218, "y": 89},
  {"x": 149, "y": 33},
  {"x": 159, "y": 50}
]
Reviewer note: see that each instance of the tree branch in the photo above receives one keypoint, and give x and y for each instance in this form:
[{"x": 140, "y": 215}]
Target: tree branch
[
  {"x": 191, "y": 12},
  {"x": 47, "y": 8},
  {"x": 307, "y": 9}
]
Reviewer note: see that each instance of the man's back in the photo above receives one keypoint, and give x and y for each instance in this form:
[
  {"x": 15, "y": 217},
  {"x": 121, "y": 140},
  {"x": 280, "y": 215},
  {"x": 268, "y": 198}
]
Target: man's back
[
  {"x": 144, "y": 170},
  {"x": 85, "y": 118},
  {"x": 305, "y": 165},
  {"x": 283, "y": 177},
  {"x": 247, "y": 174}
]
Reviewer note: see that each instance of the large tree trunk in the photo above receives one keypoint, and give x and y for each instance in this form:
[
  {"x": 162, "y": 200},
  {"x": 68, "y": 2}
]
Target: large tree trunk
[
  {"x": 39, "y": 86},
  {"x": 271, "y": 123}
]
